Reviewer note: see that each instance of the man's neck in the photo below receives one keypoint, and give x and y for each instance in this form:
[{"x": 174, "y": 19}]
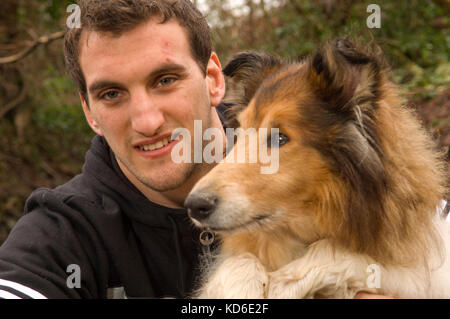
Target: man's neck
[{"x": 175, "y": 198}]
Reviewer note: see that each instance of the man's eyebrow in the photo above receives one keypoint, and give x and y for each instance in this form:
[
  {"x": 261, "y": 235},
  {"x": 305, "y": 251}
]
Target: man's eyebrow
[
  {"x": 99, "y": 85},
  {"x": 166, "y": 68}
]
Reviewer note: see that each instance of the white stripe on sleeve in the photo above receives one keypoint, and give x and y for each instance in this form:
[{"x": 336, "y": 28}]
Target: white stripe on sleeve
[
  {"x": 8, "y": 295},
  {"x": 23, "y": 289}
]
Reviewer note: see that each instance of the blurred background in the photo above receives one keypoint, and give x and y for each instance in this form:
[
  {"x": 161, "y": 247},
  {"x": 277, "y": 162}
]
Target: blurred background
[{"x": 44, "y": 136}]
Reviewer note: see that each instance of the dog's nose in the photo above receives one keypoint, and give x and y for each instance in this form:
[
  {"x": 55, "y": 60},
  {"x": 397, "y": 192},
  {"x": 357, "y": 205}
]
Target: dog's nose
[{"x": 200, "y": 205}]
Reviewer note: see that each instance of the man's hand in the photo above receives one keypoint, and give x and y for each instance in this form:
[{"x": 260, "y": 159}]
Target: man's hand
[{"x": 366, "y": 295}]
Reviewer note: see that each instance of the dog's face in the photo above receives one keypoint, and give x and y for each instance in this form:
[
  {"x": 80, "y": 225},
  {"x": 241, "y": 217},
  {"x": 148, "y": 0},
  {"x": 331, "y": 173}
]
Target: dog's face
[
  {"x": 330, "y": 158},
  {"x": 245, "y": 199}
]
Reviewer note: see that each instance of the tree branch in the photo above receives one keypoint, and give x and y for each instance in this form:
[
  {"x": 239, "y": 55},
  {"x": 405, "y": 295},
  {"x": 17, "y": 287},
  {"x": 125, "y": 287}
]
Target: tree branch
[
  {"x": 42, "y": 40},
  {"x": 14, "y": 103}
]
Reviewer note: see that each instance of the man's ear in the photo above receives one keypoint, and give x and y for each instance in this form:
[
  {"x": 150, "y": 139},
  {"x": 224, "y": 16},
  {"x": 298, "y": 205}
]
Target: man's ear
[
  {"x": 216, "y": 83},
  {"x": 89, "y": 118}
]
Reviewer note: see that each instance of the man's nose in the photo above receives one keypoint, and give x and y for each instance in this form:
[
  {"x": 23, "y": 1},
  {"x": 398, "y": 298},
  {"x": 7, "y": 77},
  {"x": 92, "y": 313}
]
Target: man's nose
[
  {"x": 146, "y": 116},
  {"x": 201, "y": 205}
]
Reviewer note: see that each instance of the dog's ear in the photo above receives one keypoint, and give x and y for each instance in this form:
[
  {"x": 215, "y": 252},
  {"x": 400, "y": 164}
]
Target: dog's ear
[
  {"x": 349, "y": 80},
  {"x": 346, "y": 75},
  {"x": 248, "y": 69},
  {"x": 244, "y": 73}
]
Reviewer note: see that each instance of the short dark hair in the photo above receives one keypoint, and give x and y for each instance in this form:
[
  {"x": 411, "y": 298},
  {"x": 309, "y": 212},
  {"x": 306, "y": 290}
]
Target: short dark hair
[{"x": 119, "y": 16}]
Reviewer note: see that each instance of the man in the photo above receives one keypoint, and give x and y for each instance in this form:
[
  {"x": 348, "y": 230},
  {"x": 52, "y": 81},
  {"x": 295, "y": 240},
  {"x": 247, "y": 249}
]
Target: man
[{"x": 143, "y": 68}]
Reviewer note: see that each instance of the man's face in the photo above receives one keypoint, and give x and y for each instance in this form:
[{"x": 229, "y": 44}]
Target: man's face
[{"x": 141, "y": 87}]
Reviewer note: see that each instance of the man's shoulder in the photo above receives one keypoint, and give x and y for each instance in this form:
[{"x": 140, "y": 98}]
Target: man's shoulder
[
  {"x": 76, "y": 201},
  {"x": 56, "y": 231},
  {"x": 75, "y": 190}
]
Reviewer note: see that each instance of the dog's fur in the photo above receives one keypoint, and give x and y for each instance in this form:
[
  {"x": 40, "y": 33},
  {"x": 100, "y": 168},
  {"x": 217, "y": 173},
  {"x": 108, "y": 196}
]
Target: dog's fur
[{"x": 358, "y": 184}]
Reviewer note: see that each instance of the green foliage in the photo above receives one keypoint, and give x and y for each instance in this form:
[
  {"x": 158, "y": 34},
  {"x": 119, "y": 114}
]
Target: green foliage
[
  {"x": 56, "y": 9},
  {"x": 55, "y": 113},
  {"x": 414, "y": 35},
  {"x": 53, "y": 12},
  {"x": 59, "y": 117}
]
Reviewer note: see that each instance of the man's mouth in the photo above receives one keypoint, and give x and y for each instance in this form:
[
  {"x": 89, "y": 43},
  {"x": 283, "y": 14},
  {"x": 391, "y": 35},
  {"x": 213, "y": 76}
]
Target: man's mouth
[{"x": 156, "y": 146}]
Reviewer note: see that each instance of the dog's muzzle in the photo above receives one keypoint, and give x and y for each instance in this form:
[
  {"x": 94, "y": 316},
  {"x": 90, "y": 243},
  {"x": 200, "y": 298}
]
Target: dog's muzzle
[{"x": 200, "y": 205}]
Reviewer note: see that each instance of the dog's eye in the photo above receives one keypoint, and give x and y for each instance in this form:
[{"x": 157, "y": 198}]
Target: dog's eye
[
  {"x": 278, "y": 139},
  {"x": 282, "y": 139}
]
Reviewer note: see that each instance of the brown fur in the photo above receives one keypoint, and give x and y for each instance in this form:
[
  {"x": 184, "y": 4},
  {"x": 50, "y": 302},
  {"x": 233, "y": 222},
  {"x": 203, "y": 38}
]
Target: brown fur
[{"x": 358, "y": 170}]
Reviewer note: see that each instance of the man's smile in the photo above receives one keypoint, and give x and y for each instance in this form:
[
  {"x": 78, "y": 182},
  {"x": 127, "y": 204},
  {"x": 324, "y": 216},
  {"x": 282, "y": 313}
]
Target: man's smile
[{"x": 156, "y": 147}]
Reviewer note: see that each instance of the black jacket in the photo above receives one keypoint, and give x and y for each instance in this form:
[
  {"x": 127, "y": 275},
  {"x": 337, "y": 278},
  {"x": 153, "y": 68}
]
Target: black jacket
[{"x": 100, "y": 222}]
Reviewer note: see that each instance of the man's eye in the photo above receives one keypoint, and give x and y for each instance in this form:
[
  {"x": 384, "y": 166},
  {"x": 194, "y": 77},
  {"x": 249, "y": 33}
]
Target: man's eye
[
  {"x": 111, "y": 95},
  {"x": 166, "y": 81}
]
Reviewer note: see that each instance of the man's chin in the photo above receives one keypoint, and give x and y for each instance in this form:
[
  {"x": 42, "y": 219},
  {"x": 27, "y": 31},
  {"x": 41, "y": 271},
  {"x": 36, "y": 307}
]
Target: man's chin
[
  {"x": 162, "y": 178},
  {"x": 168, "y": 182}
]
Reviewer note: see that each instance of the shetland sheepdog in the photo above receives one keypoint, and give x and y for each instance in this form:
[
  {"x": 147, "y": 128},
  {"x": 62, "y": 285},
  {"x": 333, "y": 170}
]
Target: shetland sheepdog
[{"x": 352, "y": 206}]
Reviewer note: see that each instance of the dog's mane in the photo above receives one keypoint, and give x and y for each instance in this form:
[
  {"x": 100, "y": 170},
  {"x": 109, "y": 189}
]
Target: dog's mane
[{"x": 387, "y": 177}]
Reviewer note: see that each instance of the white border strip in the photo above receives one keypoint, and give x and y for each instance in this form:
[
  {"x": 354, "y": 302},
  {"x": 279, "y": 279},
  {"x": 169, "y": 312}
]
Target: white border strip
[
  {"x": 23, "y": 289},
  {"x": 7, "y": 295}
]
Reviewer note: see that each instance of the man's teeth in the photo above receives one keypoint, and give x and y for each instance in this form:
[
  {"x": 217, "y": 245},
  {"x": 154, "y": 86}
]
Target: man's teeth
[{"x": 156, "y": 146}]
